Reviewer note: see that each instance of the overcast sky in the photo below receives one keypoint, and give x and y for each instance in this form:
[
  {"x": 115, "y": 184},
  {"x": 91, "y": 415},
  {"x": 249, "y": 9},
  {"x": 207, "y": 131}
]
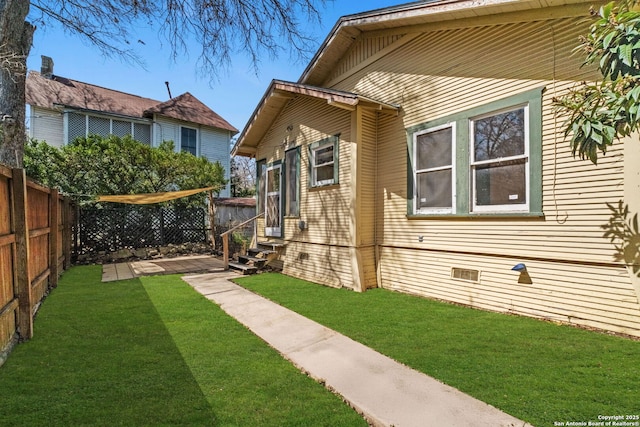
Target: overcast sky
[{"x": 234, "y": 97}]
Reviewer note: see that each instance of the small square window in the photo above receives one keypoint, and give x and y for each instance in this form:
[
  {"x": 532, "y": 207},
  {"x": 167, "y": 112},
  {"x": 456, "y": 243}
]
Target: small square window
[{"x": 323, "y": 164}]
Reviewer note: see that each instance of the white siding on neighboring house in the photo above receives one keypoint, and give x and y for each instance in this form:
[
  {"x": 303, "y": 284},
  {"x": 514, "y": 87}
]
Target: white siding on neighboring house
[
  {"x": 46, "y": 125},
  {"x": 214, "y": 145},
  {"x": 166, "y": 130}
]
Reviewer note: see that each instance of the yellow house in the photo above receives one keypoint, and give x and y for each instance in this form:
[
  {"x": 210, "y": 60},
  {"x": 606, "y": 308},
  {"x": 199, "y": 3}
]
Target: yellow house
[{"x": 420, "y": 152}]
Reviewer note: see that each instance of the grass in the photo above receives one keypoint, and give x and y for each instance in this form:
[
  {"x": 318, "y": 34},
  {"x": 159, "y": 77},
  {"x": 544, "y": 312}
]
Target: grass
[
  {"x": 540, "y": 372},
  {"x": 152, "y": 352}
]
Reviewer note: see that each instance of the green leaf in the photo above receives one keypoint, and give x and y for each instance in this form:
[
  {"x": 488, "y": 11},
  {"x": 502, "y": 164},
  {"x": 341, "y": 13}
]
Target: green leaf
[
  {"x": 626, "y": 53},
  {"x": 606, "y": 42}
]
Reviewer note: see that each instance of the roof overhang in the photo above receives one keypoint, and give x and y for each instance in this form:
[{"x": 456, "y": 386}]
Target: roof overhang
[
  {"x": 280, "y": 93},
  {"x": 419, "y": 16}
]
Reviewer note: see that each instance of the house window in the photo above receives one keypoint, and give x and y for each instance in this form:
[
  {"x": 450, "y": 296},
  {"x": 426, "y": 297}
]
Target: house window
[
  {"x": 292, "y": 183},
  {"x": 499, "y": 161},
  {"x": 323, "y": 162},
  {"x": 188, "y": 138},
  {"x": 483, "y": 161},
  {"x": 434, "y": 168}
]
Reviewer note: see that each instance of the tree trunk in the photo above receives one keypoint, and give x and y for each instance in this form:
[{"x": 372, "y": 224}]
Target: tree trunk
[{"x": 16, "y": 36}]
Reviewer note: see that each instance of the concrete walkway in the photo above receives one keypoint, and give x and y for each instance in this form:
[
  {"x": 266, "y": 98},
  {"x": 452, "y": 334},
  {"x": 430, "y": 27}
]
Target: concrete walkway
[{"x": 386, "y": 392}]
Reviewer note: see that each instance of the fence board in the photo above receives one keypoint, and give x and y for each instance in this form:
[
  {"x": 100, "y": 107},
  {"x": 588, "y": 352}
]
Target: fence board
[
  {"x": 22, "y": 279},
  {"x": 35, "y": 247}
]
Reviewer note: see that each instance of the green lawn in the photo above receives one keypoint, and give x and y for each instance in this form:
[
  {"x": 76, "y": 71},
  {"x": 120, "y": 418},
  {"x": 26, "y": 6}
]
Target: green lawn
[
  {"x": 152, "y": 352},
  {"x": 537, "y": 371}
]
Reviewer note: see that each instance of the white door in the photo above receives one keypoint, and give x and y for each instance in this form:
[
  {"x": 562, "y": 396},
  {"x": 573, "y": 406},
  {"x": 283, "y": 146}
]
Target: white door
[{"x": 273, "y": 200}]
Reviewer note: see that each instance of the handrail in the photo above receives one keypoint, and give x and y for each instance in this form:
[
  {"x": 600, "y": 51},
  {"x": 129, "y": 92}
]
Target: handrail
[
  {"x": 242, "y": 224},
  {"x": 225, "y": 239}
]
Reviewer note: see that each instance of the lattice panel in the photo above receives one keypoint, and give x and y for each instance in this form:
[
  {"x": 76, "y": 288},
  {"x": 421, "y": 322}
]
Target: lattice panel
[
  {"x": 77, "y": 126},
  {"x": 110, "y": 229},
  {"x": 121, "y": 128},
  {"x": 142, "y": 133},
  {"x": 99, "y": 126}
]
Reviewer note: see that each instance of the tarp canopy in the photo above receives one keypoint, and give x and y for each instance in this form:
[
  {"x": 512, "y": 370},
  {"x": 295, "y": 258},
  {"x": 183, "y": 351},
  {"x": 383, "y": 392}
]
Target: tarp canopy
[{"x": 150, "y": 198}]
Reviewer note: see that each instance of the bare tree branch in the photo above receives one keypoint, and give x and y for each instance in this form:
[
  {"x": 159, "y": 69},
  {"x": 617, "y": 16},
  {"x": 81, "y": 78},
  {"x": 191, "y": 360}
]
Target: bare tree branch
[{"x": 220, "y": 28}]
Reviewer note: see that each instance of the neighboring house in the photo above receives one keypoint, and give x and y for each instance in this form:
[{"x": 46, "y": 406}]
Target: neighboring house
[
  {"x": 420, "y": 151},
  {"x": 231, "y": 211},
  {"x": 62, "y": 109}
]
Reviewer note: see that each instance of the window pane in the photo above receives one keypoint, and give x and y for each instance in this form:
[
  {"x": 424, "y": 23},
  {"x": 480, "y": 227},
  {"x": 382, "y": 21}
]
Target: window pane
[
  {"x": 434, "y": 189},
  {"x": 291, "y": 159},
  {"x": 188, "y": 140},
  {"x": 501, "y": 135},
  {"x": 324, "y": 173},
  {"x": 273, "y": 180},
  {"x": 434, "y": 149},
  {"x": 324, "y": 155},
  {"x": 501, "y": 184}
]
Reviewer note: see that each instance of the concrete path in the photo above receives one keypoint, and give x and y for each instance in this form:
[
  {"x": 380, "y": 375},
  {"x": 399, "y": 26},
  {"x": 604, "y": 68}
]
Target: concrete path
[{"x": 386, "y": 392}]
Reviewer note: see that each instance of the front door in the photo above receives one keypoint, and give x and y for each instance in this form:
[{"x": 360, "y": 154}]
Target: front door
[{"x": 273, "y": 200}]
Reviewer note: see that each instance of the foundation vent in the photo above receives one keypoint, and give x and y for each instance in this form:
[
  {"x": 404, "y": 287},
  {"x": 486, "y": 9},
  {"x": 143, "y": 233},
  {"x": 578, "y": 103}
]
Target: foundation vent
[{"x": 465, "y": 274}]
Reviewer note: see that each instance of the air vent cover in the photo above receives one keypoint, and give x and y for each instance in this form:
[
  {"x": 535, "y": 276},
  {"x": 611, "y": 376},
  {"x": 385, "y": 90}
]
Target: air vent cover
[{"x": 465, "y": 274}]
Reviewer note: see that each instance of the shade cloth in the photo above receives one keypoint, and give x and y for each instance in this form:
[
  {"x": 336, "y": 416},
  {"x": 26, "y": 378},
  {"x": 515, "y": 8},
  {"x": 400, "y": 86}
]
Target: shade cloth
[{"x": 149, "y": 198}]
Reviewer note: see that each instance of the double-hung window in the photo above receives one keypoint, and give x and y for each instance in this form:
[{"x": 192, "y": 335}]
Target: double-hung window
[
  {"x": 323, "y": 162},
  {"x": 434, "y": 169},
  {"x": 499, "y": 161},
  {"x": 188, "y": 140},
  {"x": 483, "y": 161}
]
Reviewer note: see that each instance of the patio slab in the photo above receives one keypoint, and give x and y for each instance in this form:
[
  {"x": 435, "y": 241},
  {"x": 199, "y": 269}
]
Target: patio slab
[{"x": 178, "y": 265}]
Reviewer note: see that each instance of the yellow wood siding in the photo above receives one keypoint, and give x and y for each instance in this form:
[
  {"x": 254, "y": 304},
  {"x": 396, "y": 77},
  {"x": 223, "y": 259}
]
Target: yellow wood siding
[
  {"x": 325, "y": 210},
  {"x": 367, "y": 178},
  {"x": 365, "y": 48},
  {"x": 587, "y": 295},
  {"x": 575, "y": 278},
  {"x": 326, "y": 264}
]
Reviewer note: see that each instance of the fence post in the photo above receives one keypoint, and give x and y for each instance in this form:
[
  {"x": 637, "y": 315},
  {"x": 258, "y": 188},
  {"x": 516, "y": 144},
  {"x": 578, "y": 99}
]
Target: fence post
[
  {"x": 66, "y": 232},
  {"x": 225, "y": 250},
  {"x": 54, "y": 208},
  {"x": 23, "y": 281}
]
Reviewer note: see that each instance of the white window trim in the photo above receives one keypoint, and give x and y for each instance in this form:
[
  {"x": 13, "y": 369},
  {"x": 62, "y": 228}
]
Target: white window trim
[
  {"x": 314, "y": 167},
  {"x": 522, "y": 207},
  {"x": 452, "y": 209}
]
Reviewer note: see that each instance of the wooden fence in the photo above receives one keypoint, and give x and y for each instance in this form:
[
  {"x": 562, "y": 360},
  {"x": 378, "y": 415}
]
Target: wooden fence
[{"x": 35, "y": 247}]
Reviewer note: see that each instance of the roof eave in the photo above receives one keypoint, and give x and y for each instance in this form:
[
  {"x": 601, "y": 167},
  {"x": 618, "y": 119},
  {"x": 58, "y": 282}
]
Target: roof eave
[
  {"x": 347, "y": 28},
  {"x": 279, "y": 92}
]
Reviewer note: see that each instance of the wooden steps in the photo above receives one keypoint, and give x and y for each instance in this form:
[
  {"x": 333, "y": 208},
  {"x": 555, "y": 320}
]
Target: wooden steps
[{"x": 256, "y": 258}]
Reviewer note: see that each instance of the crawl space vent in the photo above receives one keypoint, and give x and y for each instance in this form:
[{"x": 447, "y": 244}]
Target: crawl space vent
[{"x": 465, "y": 274}]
